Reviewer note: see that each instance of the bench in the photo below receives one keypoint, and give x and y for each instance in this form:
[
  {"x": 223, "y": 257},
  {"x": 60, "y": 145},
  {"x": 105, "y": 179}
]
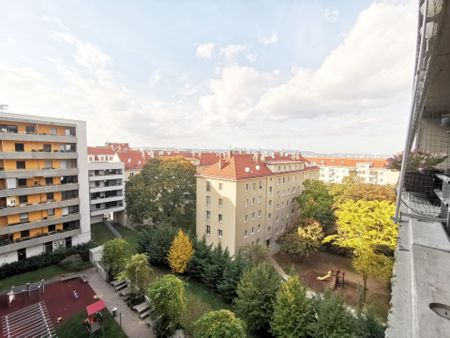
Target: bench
[
  {"x": 144, "y": 314},
  {"x": 141, "y": 307},
  {"x": 67, "y": 277},
  {"x": 121, "y": 286},
  {"x": 125, "y": 292},
  {"x": 116, "y": 282}
]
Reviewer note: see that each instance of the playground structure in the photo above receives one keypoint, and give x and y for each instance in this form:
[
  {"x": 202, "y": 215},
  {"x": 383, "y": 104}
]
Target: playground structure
[
  {"x": 335, "y": 278},
  {"x": 24, "y": 294},
  {"x": 94, "y": 321}
]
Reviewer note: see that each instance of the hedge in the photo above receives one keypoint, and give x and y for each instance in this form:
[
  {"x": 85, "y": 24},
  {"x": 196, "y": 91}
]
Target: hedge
[{"x": 43, "y": 260}]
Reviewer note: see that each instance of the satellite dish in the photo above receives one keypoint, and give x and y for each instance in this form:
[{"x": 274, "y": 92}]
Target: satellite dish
[
  {"x": 257, "y": 167},
  {"x": 247, "y": 169}
]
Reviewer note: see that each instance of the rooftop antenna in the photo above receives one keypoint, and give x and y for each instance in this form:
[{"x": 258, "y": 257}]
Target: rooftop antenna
[{"x": 3, "y": 108}]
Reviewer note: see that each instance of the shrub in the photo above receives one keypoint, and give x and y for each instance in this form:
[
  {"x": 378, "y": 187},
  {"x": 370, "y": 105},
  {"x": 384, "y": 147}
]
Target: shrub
[
  {"x": 180, "y": 253},
  {"x": 221, "y": 323},
  {"x": 71, "y": 263}
]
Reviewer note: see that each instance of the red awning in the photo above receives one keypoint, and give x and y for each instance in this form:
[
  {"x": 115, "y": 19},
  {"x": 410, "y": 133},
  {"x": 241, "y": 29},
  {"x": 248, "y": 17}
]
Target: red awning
[{"x": 95, "y": 307}]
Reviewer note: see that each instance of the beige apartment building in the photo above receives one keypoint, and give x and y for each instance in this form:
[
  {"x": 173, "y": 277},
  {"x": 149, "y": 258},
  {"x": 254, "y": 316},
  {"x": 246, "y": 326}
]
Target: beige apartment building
[{"x": 250, "y": 198}]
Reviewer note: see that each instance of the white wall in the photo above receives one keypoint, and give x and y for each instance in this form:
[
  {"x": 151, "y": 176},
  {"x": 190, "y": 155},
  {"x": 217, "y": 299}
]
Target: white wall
[
  {"x": 10, "y": 257},
  {"x": 83, "y": 181}
]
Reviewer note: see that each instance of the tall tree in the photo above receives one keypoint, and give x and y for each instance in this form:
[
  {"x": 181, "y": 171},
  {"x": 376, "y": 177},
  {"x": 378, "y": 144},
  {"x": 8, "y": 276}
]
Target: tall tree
[
  {"x": 180, "y": 253},
  {"x": 256, "y": 293},
  {"x": 232, "y": 273},
  {"x": 303, "y": 241},
  {"x": 115, "y": 255},
  {"x": 155, "y": 242},
  {"x": 316, "y": 202},
  {"x": 138, "y": 272},
  {"x": 219, "y": 324},
  {"x": 293, "y": 310},
  {"x": 167, "y": 295},
  {"x": 164, "y": 191},
  {"x": 356, "y": 191}
]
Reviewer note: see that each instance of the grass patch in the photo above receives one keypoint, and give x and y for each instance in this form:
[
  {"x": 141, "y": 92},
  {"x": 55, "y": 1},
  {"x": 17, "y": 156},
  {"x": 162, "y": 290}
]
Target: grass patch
[
  {"x": 130, "y": 235},
  {"x": 31, "y": 276},
  {"x": 100, "y": 233},
  {"x": 74, "y": 328}
]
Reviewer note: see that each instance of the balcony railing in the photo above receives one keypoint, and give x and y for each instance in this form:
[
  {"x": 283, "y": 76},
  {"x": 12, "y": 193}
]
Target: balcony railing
[
  {"x": 18, "y": 209},
  {"x": 26, "y": 225}
]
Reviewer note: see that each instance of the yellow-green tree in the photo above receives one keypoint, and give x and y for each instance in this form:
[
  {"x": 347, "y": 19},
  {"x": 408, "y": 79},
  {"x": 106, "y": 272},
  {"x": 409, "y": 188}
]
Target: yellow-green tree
[
  {"x": 138, "y": 272},
  {"x": 180, "y": 253}
]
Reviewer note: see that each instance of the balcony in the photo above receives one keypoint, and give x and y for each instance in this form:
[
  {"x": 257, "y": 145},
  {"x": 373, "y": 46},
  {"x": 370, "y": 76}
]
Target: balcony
[
  {"x": 107, "y": 199},
  {"x": 8, "y": 246},
  {"x": 107, "y": 210},
  {"x": 34, "y": 137},
  {"x": 38, "y": 189},
  {"x": 106, "y": 177},
  {"x": 38, "y": 155},
  {"x": 118, "y": 187},
  {"x": 39, "y": 224},
  {"x": 24, "y": 173},
  {"x": 6, "y": 211}
]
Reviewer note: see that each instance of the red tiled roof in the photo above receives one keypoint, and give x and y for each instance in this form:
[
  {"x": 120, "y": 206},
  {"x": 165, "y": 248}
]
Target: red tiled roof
[
  {"x": 118, "y": 146},
  {"x": 347, "y": 162},
  {"x": 133, "y": 159},
  {"x": 100, "y": 151}
]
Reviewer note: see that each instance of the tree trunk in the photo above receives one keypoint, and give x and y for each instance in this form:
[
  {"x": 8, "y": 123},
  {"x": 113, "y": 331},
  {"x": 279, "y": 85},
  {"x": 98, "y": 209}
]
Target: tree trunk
[{"x": 364, "y": 287}]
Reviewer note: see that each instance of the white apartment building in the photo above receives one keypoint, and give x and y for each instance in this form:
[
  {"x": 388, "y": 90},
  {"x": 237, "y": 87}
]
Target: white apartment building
[
  {"x": 335, "y": 169},
  {"x": 247, "y": 198},
  {"x": 106, "y": 186},
  {"x": 44, "y": 194}
]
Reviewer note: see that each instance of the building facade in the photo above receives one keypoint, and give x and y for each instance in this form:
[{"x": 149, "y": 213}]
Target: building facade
[
  {"x": 44, "y": 194},
  {"x": 335, "y": 169},
  {"x": 248, "y": 198}
]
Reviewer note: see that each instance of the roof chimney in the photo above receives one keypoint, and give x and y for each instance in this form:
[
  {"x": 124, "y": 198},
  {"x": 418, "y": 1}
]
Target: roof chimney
[{"x": 220, "y": 164}]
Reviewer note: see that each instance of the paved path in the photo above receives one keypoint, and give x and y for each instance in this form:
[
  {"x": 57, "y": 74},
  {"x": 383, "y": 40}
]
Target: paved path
[{"x": 131, "y": 324}]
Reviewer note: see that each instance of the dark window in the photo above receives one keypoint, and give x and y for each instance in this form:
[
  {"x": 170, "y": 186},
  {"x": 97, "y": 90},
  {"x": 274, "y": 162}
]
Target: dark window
[
  {"x": 68, "y": 242},
  {"x": 23, "y": 199},
  {"x": 20, "y": 164},
  {"x": 30, "y": 129},
  {"x": 21, "y": 254},
  {"x": 48, "y": 247},
  {"x": 8, "y": 129},
  {"x": 22, "y": 182},
  {"x": 48, "y": 180},
  {"x": 19, "y": 147},
  {"x": 50, "y": 212},
  {"x": 51, "y": 228},
  {"x": 24, "y": 216},
  {"x": 50, "y": 196},
  {"x": 25, "y": 233},
  {"x": 47, "y": 147}
]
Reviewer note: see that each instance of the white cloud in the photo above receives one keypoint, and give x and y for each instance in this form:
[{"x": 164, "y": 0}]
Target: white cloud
[
  {"x": 269, "y": 40},
  {"x": 55, "y": 21},
  {"x": 331, "y": 14},
  {"x": 205, "y": 51},
  {"x": 231, "y": 52}
]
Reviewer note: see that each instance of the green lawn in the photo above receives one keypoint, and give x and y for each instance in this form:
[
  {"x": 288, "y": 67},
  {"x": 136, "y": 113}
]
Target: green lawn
[
  {"x": 31, "y": 276},
  {"x": 100, "y": 233},
  {"x": 131, "y": 236},
  {"x": 73, "y": 327}
]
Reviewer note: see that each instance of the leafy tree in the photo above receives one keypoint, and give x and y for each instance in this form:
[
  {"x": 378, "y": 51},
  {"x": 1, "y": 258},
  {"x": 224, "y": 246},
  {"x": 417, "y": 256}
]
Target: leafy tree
[
  {"x": 219, "y": 324},
  {"x": 333, "y": 319},
  {"x": 180, "y": 252},
  {"x": 232, "y": 273},
  {"x": 293, "y": 311},
  {"x": 367, "y": 326},
  {"x": 164, "y": 191},
  {"x": 368, "y": 263},
  {"x": 201, "y": 258},
  {"x": 138, "y": 272},
  {"x": 213, "y": 270},
  {"x": 155, "y": 242},
  {"x": 254, "y": 253},
  {"x": 303, "y": 241},
  {"x": 256, "y": 294},
  {"x": 168, "y": 302},
  {"x": 356, "y": 191},
  {"x": 316, "y": 202},
  {"x": 115, "y": 255}
]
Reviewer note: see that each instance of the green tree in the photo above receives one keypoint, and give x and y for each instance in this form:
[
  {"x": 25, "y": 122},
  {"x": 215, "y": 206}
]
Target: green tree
[
  {"x": 115, "y": 255},
  {"x": 155, "y": 242},
  {"x": 254, "y": 253},
  {"x": 180, "y": 253},
  {"x": 303, "y": 241},
  {"x": 333, "y": 319},
  {"x": 213, "y": 270},
  {"x": 316, "y": 202},
  {"x": 201, "y": 258},
  {"x": 138, "y": 272},
  {"x": 293, "y": 310},
  {"x": 256, "y": 293},
  {"x": 164, "y": 191},
  {"x": 168, "y": 302},
  {"x": 219, "y": 324},
  {"x": 232, "y": 273}
]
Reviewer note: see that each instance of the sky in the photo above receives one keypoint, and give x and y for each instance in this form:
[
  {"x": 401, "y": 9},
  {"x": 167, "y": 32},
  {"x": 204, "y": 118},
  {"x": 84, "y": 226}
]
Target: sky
[{"x": 323, "y": 76}]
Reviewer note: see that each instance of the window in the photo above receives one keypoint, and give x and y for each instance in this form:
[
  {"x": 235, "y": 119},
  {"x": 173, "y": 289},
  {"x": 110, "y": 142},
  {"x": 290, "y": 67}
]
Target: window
[
  {"x": 270, "y": 215},
  {"x": 19, "y": 147},
  {"x": 23, "y": 199},
  {"x": 245, "y": 233},
  {"x": 253, "y": 201},
  {"x": 292, "y": 211},
  {"x": 208, "y": 229},
  {"x": 270, "y": 189},
  {"x": 220, "y": 232},
  {"x": 253, "y": 230},
  {"x": 25, "y": 233},
  {"x": 208, "y": 215},
  {"x": 259, "y": 213},
  {"x": 260, "y": 184},
  {"x": 284, "y": 179},
  {"x": 208, "y": 201},
  {"x": 47, "y": 164},
  {"x": 253, "y": 215},
  {"x": 208, "y": 186},
  {"x": 30, "y": 129},
  {"x": 24, "y": 216},
  {"x": 21, "y": 254},
  {"x": 48, "y": 247},
  {"x": 220, "y": 203},
  {"x": 220, "y": 186},
  {"x": 246, "y": 203},
  {"x": 259, "y": 227},
  {"x": 50, "y": 196},
  {"x": 246, "y": 218},
  {"x": 47, "y": 147},
  {"x": 51, "y": 212},
  {"x": 282, "y": 204},
  {"x": 52, "y": 131},
  {"x": 48, "y": 180},
  {"x": 68, "y": 242},
  {"x": 8, "y": 129},
  {"x": 220, "y": 217},
  {"x": 20, "y": 164},
  {"x": 51, "y": 228},
  {"x": 22, "y": 182},
  {"x": 268, "y": 228},
  {"x": 246, "y": 187},
  {"x": 270, "y": 203}
]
